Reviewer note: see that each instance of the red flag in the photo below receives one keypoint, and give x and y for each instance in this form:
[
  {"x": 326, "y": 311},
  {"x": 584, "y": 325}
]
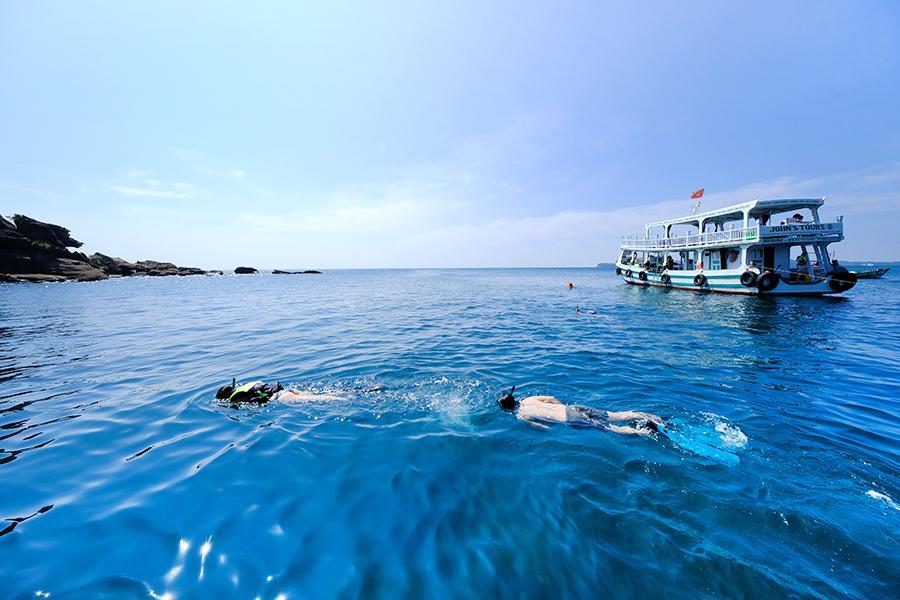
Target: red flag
[{"x": 697, "y": 194}]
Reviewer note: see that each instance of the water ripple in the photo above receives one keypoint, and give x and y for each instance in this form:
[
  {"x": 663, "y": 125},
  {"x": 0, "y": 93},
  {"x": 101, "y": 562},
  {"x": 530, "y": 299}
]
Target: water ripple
[{"x": 417, "y": 485}]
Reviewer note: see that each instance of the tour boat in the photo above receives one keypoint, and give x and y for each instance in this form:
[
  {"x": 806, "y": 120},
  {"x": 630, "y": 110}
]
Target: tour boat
[{"x": 765, "y": 247}]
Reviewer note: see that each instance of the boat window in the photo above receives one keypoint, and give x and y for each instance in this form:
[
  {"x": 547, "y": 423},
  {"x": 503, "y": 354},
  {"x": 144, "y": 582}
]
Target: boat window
[
  {"x": 688, "y": 259},
  {"x": 731, "y": 257},
  {"x": 755, "y": 255}
]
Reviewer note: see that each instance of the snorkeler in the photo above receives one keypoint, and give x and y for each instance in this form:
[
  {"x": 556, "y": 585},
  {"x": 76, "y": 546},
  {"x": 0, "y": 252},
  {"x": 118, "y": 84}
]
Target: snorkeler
[
  {"x": 260, "y": 392},
  {"x": 541, "y": 410}
]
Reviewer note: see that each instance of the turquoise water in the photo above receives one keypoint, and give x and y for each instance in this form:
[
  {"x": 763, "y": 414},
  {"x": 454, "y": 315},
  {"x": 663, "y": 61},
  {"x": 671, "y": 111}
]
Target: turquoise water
[{"x": 121, "y": 476}]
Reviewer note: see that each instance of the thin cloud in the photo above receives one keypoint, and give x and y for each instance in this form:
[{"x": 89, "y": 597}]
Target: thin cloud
[
  {"x": 186, "y": 153},
  {"x": 141, "y": 192}
]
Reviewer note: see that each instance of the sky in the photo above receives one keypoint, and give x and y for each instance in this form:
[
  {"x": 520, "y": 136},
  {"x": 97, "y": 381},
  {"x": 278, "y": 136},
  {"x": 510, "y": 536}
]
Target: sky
[{"x": 440, "y": 134}]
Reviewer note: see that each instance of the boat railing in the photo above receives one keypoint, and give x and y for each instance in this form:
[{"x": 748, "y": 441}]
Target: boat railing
[{"x": 800, "y": 232}]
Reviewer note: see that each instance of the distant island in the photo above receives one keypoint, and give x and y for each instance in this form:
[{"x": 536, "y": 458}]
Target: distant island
[{"x": 34, "y": 251}]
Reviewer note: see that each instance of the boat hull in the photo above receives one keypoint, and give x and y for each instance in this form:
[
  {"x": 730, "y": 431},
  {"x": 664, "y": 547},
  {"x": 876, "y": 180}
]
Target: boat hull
[{"x": 724, "y": 282}]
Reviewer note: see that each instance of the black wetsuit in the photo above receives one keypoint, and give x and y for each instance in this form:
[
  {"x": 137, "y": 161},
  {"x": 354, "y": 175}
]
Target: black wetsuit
[{"x": 261, "y": 392}]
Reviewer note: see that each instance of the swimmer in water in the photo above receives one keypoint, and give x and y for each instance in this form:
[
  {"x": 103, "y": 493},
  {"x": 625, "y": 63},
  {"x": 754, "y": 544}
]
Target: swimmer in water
[
  {"x": 542, "y": 410},
  {"x": 259, "y": 392},
  {"x": 588, "y": 311}
]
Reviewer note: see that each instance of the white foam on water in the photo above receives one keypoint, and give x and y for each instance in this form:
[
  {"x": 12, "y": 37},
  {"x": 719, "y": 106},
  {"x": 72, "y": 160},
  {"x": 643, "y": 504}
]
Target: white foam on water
[
  {"x": 732, "y": 436},
  {"x": 884, "y": 498}
]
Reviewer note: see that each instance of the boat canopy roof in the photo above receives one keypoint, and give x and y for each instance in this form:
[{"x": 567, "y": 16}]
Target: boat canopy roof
[{"x": 756, "y": 208}]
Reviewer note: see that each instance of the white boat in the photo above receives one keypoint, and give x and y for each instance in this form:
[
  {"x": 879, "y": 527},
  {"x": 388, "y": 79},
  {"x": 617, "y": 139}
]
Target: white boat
[{"x": 766, "y": 247}]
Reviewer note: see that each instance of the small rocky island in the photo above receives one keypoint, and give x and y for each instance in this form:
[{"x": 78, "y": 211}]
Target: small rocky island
[{"x": 31, "y": 250}]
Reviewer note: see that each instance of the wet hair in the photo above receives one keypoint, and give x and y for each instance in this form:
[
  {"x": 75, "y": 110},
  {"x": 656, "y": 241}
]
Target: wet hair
[
  {"x": 507, "y": 401},
  {"x": 224, "y": 392}
]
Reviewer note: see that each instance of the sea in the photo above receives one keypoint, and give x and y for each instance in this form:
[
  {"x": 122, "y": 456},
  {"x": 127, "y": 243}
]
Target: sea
[{"x": 121, "y": 475}]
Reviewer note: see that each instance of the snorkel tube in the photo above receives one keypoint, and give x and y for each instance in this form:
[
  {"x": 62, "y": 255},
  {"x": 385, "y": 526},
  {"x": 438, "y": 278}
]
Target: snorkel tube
[{"x": 507, "y": 401}]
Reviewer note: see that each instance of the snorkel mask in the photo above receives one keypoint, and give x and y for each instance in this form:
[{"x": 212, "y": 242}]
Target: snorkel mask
[{"x": 507, "y": 401}]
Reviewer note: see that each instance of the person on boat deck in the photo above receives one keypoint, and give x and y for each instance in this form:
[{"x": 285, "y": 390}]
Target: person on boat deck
[
  {"x": 796, "y": 218},
  {"x": 670, "y": 262},
  {"x": 544, "y": 410},
  {"x": 259, "y": 392}
]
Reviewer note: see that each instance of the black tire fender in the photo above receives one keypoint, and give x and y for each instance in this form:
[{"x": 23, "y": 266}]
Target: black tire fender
[
  {"x": 642, "y": 276},
  {"x": 618, "y": 271},
  {"x": 628, "y": 273},
  {"x": 665, "y": 279},
  {"x": 700, "y": 280},
  {"x": 842, "y": 280},
  {"x": 767, "y": 282},
  {"x": 748, "y": 278}
]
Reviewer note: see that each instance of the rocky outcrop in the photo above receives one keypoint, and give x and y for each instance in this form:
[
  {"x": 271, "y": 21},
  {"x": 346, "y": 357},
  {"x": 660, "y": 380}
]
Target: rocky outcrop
[
  {"x": 245, "y": 271},
  {"x": 34, "y": 251},
  {"x": 31, "y": 250},
  {"x": 119, "y": 266},
  {"x": 54, "y": 235},
  {"x": 113, "y": 265},
  {"x": 10, "y": 239}
]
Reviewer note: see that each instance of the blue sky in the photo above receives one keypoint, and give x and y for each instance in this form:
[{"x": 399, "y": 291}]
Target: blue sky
[{"x": 420, "y": 134}]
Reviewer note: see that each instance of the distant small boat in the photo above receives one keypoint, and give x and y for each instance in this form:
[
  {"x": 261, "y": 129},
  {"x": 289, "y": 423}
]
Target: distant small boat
[{"x": 873, "y": 274}]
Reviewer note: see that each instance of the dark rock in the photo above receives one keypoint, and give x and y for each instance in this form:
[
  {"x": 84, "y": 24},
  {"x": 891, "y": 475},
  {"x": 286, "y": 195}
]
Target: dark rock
[
  {"x": 39, "y": 231},
  {"x": 74, "y": 269},
  {"x": 118, "y": 266},
  {"x": 27, "y": 267},
  {"x": 312, "y": 272},
  {"x": 10, "y": 239},
  {"x": 245, "y": 271},
  {"x": 164, "y": 269},
  {"x": 31, "y": 277},
  {"x": 112, "y": 265},
  {"x": 155, "y": 268}
]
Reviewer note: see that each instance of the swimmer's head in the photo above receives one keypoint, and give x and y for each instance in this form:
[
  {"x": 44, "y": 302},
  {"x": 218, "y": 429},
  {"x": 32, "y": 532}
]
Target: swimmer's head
[
  {"x": 225, "y": 391},
  {"x": 507, "y": 401}
]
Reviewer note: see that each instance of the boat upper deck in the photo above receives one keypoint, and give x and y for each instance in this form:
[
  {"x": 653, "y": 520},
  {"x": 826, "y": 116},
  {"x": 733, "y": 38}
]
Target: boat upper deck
[
  {"x": 737, "y": 212},
  {"x": 788, "y": 232},
  {"x": 758, "y": 234}
]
